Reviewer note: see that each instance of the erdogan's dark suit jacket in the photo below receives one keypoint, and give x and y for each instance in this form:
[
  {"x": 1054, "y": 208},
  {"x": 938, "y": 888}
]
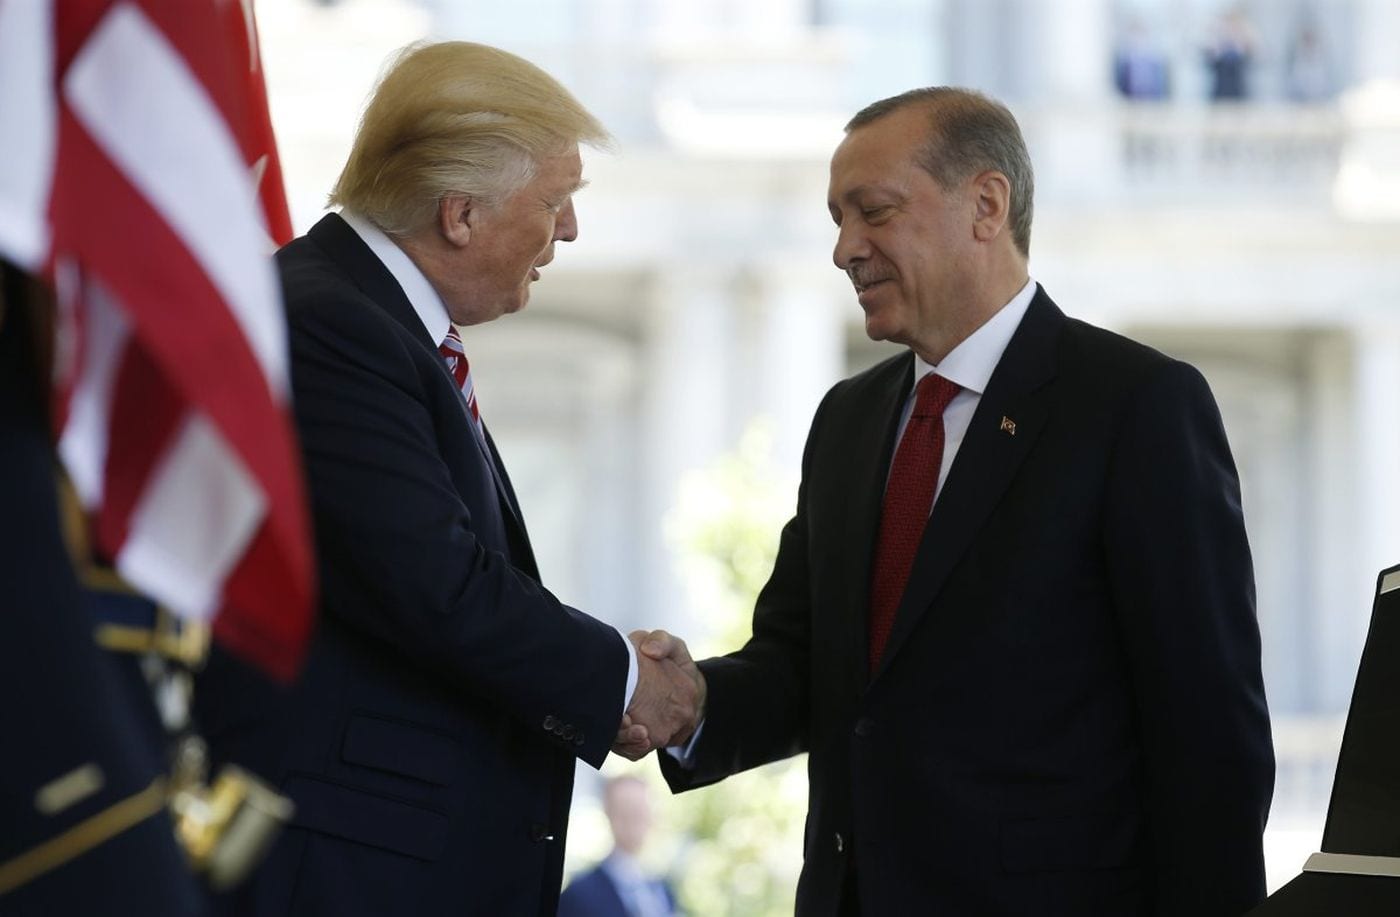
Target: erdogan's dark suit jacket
[
  {"x": 1069, "y": 717},
  {"x": 429, "y": 745}
]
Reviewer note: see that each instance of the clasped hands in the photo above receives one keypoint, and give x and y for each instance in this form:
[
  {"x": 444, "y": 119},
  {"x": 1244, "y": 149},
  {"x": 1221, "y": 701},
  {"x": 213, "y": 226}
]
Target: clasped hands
[{"x": 669, "y": 701}]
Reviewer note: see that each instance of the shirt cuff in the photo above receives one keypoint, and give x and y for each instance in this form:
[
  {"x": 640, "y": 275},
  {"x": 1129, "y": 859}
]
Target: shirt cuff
[
  {"x": 631, "y": 674},
  {"x": 685, "y": 754}
]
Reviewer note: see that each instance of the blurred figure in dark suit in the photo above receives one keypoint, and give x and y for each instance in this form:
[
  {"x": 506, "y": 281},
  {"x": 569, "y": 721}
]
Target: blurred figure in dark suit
[{"x": 618, "y": 886}]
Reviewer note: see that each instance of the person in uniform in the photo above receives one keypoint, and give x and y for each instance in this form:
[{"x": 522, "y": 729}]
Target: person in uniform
[{"x": 82, "y": 792}]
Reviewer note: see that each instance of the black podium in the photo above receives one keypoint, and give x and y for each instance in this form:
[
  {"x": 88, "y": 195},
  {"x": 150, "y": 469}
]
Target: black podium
[{"x": 1357, "y": 874}]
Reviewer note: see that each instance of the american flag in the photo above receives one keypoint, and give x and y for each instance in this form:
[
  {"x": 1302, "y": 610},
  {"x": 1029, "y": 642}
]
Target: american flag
[{"x": 138, "y": 173}]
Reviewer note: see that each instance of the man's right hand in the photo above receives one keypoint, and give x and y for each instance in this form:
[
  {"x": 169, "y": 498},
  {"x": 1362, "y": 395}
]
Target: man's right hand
[
  {"x": 661, "y": 645},
  {"x": 670, "y": 696}
]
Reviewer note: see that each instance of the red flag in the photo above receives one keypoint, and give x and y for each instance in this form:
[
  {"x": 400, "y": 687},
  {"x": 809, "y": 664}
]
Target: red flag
[
  {"x": 143, "y": 123},
  {"x": 254, "y": 130}
]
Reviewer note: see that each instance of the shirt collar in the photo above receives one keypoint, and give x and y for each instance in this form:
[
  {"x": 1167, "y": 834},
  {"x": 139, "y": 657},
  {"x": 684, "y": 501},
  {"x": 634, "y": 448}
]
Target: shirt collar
[
  {"x": 971, "y": 363},
  {"x": 624, "y": 868},
  {"x": 421, "y": 295}
]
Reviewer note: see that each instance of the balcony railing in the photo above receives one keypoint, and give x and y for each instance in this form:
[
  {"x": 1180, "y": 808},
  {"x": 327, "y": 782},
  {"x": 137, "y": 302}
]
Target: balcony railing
[{"x": 1290, "y": 151}]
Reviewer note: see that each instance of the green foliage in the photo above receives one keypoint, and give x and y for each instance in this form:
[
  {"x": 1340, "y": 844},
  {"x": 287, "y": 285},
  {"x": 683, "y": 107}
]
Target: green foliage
[
  {"x": 733, "y": 849},
  {"x": 739, "y": 843}
]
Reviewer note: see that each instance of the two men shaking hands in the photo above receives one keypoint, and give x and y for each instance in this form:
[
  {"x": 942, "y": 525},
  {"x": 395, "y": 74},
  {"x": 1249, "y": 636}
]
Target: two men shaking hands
[
  {"x": 669, "y": 702},
  {"x": 1011, "y": 619}
]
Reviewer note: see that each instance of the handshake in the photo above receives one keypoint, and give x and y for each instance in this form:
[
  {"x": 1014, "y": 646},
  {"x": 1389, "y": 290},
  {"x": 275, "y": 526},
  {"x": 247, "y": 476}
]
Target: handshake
[{"x": 669, "y": 701}]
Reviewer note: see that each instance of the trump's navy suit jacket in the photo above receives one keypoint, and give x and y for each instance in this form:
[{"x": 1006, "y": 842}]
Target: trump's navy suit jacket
[
  {"x": 429, "y": 745},
  {"x": 1069, "y": 716}
]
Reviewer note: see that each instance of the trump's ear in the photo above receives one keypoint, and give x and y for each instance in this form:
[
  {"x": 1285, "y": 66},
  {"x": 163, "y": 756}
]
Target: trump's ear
[
  {"x": 455, "y": 216},
  {"x": 993, "y": 201}
]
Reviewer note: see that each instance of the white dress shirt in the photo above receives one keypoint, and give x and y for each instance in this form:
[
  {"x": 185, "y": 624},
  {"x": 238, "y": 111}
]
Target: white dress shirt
[
  {"x": 429, "y": 308},
  {"x": 970, "y": 365}
]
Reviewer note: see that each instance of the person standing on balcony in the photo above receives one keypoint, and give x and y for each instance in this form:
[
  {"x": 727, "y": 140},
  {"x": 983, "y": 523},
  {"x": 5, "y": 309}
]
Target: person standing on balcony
[
  {"x": 1140, "y": 70},
  {"x": 1229, "y": 57},
  {"x": 1307, "y": 67}
]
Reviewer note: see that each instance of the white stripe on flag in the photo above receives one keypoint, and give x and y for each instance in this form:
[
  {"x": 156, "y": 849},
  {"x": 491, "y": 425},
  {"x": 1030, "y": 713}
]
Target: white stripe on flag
[
  {"x": 28, "y": 130},
  {"x": 193, "y": 522},
  {"x": 134, "y": 94},
  {"x": 85, "y": 437}
]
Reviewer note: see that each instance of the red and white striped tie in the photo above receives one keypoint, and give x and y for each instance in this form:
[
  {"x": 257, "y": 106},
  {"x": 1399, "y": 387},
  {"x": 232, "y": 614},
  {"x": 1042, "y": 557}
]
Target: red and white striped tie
[{"x": 451, "y": 350}]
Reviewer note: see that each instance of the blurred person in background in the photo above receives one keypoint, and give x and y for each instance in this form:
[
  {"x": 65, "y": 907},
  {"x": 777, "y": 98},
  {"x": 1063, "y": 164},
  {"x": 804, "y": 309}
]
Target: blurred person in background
[
  {"x": 1140, "y": 70},
  {"x": 619, "y": 886},
  {"x": 429, "y": 745},
  {"x": 1229, "y": 57},
  {"x": 1308, "y": 76},
  {"x": 1012, "y": 620}
]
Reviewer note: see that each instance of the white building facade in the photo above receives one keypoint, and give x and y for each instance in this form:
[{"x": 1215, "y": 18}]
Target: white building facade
[{"x": 1258, "y": 239}]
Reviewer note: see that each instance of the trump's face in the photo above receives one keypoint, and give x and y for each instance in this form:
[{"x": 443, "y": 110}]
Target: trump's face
[
  {"x": 510, "y": 241},
  {"x": 904, "y": 240}
]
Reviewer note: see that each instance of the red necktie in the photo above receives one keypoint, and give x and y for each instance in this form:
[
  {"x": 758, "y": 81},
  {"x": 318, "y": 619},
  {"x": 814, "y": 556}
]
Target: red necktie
[
  {"x": 451, "y": 350},
  {"x": 908, "y": 499}
]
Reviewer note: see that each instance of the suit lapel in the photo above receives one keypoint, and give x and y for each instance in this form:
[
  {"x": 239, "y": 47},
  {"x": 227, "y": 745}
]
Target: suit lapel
[
  {"x": 870, "y": 435},
  {"x": 360, "y": 264},
  {"x": 521, "y": 553},
  {"x": 986, "y": 463},
  {"x": 510, "y": 509}
]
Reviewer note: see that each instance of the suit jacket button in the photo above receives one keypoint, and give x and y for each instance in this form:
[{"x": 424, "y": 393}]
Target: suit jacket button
[
  {"x": 568, "y": 734},
  {"x": 865, "y": 726},
  {"x": 578, "y": 740},
  {"x": 549, "y": 723},
  {"x": 840, "y": 843}
]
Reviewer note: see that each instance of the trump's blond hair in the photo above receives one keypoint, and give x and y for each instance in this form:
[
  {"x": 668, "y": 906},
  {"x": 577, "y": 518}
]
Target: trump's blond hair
[{"x": 456, "y": 117}]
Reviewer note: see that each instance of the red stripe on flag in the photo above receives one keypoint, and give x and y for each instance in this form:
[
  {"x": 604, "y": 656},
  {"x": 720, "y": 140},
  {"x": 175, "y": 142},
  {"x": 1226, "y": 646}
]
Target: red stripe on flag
[
  {"x": 254, "y": 131},
  {"x": 180, "y": 318},
  {"x": 192, "y": 354},
  {"x": 145, "y": 413},
  {"x": 219, "y": 50},
  {"x": 255, "y": 627}
]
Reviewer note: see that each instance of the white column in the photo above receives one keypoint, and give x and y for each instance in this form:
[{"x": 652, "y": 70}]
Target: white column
[
  {"x": 1073, "y": 44},
  {"x": 608, "y": 524},
  {"x": 685, "y": 414},
  {"x": 1068, "y": 118},
  {"x": 547, "y": 33},
  {"x": 898, "y": 45},
  {"x": 1377, "y": 444},
  {"x": 520, "y": 23},
  {"x": 1378, "y": 40},
  {"x": 1334, "y": 602},
  {"x": 742, "y": 18},
  {"x": 976, "y": 45},
  {"x": 798, "y": 349}
]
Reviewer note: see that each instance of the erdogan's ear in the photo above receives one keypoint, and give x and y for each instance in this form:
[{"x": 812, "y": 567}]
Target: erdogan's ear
[
  {"x": 992, "y": 194},
  {"x": 456, "y": 213}
]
